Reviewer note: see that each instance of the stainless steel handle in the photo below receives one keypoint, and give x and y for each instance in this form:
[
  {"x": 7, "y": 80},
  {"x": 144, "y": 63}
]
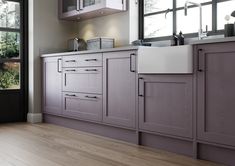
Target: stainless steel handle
[
  {"x": 70, "y": 95},
  {"x": 91, "y": 70},
  {"x": 90, "y": 60},
  {"x": 131, "y": 55},
  {"x": 140, "y": 95},
  {"x": 81, "y": 5},
  {"x": 78, "y": 5},
  {"x": 58, "y": 65},
  {"x": 91, "y": 97},
  {"x": 70, "y": 61}
]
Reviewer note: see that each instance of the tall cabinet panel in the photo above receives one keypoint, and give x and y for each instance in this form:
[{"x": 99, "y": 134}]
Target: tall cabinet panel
[
  {"x": 119, "y": 88},
  {"x": 216, "y": 93},
  {"x": 165, "y": 104},
  {"x": 52, "y": 85}
]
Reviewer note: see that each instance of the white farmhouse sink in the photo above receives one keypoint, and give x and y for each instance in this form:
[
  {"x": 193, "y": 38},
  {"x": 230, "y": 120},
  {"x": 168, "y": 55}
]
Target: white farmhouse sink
[{"x": 163, "y": 60}]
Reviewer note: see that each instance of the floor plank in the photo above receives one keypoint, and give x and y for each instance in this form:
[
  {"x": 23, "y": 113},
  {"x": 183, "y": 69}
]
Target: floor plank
[{"x": 49, "y": 145}]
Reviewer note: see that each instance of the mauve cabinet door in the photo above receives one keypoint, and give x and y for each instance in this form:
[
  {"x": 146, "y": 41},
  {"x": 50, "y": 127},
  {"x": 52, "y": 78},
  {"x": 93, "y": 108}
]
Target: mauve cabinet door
[
  {"x": 52, "y": 85},
  {"x": 165, "y": 104},
  {"x": 216, "y": 93},
  {"x": 119, "y": 88},
  {"x": 82, "y": 106},
  {"x": 83, "y": 80}
]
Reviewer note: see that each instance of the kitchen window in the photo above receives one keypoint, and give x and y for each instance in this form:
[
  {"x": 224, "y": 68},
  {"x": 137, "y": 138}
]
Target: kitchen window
[{"x": 160, "y": 18}]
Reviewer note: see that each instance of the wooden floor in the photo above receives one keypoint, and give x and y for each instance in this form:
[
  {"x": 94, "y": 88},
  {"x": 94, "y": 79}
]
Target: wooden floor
[{"x": 49, "y": 145}]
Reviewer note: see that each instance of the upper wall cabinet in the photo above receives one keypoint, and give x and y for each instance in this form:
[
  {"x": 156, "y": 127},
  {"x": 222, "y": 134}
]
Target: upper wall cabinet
[{"x": 84, "y": 9}]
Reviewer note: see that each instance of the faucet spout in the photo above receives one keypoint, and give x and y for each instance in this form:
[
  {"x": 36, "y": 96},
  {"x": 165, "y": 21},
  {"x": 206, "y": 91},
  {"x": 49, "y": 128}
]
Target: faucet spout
[{"x": 201, "y": 34}]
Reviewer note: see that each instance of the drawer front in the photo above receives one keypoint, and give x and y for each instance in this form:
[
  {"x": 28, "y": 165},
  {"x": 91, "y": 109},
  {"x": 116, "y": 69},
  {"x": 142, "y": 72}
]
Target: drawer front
[
  {"x": 88, "y": 60},
  {"x": 83, "y": 80},
  {"x": 82, "y": 106}
]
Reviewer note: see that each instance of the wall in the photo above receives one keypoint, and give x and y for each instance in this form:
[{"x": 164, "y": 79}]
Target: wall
[
  {"x": 46, "y": 34},
  {"x": 121, "y": 26}
]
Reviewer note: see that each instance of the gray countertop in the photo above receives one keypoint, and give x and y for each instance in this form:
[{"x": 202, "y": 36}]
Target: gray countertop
[{"x": 193, "y": 42}]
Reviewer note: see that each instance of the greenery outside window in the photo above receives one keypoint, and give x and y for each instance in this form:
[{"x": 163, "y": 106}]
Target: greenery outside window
[
  {"x": 10, "y": 35},
  {"x": 158, "y": 19}
]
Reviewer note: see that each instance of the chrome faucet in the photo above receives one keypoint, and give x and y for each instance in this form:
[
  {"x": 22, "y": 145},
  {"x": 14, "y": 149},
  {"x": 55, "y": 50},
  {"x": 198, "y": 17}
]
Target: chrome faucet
[{"x": 201, "y": 34}]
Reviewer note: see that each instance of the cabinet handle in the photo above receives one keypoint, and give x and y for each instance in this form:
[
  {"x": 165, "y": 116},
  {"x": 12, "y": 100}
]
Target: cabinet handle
[
  {"x": 70, "y": 70},
  {"x": 78, "y": 5},
  {"x": 71, "y": 95},
  {"x": 131, "y": 55},
  {"x": 90, "y": 60},
  {"x": 71, "y": 61},
  {"x": 81, "y": 5},
  {"x": 58, "y": 65},
  {"x": 91, "y": 97},
  {"x": 199, "y": 67},
  {"x": 140, "y": 95},
  {"x": 91, "y": 70}
]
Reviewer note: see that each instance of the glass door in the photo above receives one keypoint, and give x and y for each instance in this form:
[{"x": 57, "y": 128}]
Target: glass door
[
  {"x": 12, "y": 58},
  {"x": 69, "y": 5},
  {"x": 89, "y": 5}
]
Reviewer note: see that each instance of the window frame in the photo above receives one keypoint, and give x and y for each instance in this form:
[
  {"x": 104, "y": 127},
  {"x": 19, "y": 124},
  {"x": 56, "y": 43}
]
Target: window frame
[{"x": 214, "y": 30}]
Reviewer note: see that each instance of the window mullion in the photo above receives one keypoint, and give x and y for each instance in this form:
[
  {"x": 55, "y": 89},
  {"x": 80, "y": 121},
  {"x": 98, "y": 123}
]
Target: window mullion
[{"x": 174, "y": 17}]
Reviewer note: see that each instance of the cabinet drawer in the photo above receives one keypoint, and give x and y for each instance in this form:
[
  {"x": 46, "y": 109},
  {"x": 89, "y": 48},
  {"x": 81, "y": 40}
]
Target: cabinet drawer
[
  {"x": 83, "y": 80},
  {"x": 83, "y": 106},
  {"x": 82, "y": 60}
]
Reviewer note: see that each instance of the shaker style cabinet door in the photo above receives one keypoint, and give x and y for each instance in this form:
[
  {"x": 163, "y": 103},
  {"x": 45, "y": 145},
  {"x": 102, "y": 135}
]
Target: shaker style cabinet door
[
  {"x": 52, "y": 85},
  {"x": 165, "y": 104},
  {"x": 216, "y": 93},
  {"x": 119, "y": 88}
]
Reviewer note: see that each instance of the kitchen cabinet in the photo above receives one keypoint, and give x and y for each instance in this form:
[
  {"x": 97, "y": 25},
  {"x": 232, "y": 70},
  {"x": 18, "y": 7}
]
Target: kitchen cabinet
[
  {"x": 82, "y": 106},
  {"x": 119, "y": 88},
  {"x": 85, "y": 9},
  {"x": 83, "y": 80},
  {"x": 165, "y": 104},
  {"x": 52, "y": 85},
  {"x": 216, "y": 93}
]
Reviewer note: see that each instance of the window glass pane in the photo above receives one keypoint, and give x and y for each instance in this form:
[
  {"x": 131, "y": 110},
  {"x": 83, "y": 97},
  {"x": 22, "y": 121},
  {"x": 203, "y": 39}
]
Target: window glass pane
[
  {"x": 9, "y": 14},
  {"x": 223, "y": 9},
  {"x": 181, "y": 3},
  {"x": 190, "y": 23},
  {"x": 151, "y": 6},
  {"x": 9, "y": 45},
  {"x": 9, "y": 75},
  {"x": 158, "y": 25}
]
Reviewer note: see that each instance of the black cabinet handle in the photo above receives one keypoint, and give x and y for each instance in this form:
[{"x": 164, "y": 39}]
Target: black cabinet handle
[
  {"x": 91, "y": 97},
  {"x": 70, "y": 61},
  {"x": 91, "y": 70},
  {"x": 199, "y": 67},
  {"x": 140, "y": 95},
  {"x": 88, "y": 60},
  {"x": 70, "y": 70},
  {"x": 131, "y": 55},
  {"x": 71, "y": 95},
  {"x": 58, "y": 65}
]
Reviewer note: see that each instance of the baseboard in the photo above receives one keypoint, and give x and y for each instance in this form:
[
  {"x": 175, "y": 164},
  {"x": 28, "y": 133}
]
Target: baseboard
[{"x": 34, "y": 117}]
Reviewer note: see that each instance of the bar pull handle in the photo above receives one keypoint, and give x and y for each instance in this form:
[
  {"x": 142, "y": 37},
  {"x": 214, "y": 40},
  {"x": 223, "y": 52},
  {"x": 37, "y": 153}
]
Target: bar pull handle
[
  {"x": 71, "y": 95},
  {"x": 131, "y": 55},
  {"x": 199, "y": 61},
  {"x": 70, "y": 70},
  {"x": 140, "y": 95},
  {"x": 88, "y": 60},
  {"x": 91, "y": 97},
  {"x": 78, "y": 5},
  {"x": 81, "y": 5},
  {"x": 91, "y": 70},
  {"x": 70, "y": 61},
  {"x": 58, "y": 65}
]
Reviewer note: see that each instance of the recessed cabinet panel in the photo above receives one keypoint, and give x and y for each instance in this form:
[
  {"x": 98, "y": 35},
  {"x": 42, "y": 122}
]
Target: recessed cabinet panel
[
  {"x": 83, "y": 80},
  {"x": 83, "y": 106},
  {"x": 119, "y": 88},
  {"x": 165, "y": 104},
  {"x": 52, "y": 85},
  {"x": 216, "y": 93}
]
